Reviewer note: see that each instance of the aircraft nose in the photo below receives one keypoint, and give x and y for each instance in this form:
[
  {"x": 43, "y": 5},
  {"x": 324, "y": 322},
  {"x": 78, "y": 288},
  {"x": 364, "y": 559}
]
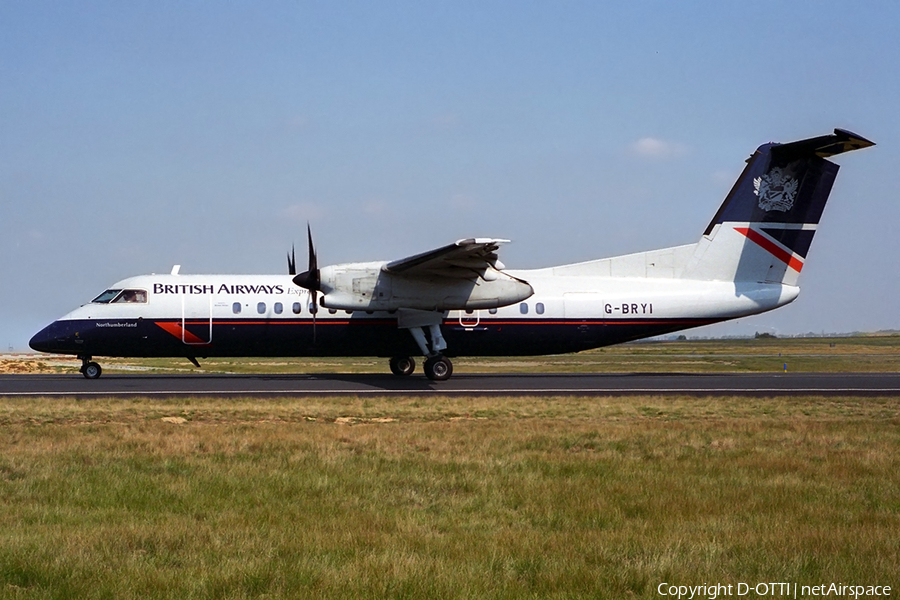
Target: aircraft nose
[
  {"x": 41, "y": 341},
  {"x": 52, "y": 338}
]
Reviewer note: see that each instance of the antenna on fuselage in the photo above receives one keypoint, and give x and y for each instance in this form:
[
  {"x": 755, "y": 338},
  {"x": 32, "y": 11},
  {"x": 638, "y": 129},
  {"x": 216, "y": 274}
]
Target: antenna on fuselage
[{"x": 175, "y": 269}]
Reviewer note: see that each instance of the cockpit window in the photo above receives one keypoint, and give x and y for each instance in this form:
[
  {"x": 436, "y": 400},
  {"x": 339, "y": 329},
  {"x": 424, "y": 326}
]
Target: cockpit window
[
  {"x": 121, "y": 296},
  {"x": 106, "y": 297},
  {"x": 132, "y": 297}
]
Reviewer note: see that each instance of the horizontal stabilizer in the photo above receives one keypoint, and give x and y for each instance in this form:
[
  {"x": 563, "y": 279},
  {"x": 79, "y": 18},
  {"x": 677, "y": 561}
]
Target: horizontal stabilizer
[{"x": 822, "y": 146}]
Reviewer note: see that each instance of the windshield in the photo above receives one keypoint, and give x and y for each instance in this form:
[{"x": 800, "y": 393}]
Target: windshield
[{"x": 106, "y": 297}]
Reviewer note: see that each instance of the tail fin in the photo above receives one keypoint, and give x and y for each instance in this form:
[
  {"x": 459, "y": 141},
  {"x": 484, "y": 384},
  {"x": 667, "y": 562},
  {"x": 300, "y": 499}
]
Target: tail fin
[{"x": 764, "y": 228}]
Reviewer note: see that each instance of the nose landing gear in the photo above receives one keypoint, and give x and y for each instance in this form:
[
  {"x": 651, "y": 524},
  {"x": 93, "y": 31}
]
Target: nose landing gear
[{"x": 90, "y": 369}]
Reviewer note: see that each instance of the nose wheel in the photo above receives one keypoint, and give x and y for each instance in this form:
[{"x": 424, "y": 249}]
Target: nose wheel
[{"x": 90, "y": 369}]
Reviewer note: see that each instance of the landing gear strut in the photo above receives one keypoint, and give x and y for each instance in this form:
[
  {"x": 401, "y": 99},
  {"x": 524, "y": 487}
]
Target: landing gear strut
[
  {"x": 90, "y": 369},
  {"x": 437, "y": 366},
  {"x": 402, "y": 365}
]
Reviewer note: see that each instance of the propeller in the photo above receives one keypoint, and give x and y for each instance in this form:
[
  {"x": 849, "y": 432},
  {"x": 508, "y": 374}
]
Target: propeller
[
  {"x": 310, "y": 279},
  {"x": 292, "y": 262}
]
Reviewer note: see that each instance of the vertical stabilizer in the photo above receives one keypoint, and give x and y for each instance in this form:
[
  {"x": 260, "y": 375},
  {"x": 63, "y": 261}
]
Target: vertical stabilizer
[{"x": 764, "y": 228}]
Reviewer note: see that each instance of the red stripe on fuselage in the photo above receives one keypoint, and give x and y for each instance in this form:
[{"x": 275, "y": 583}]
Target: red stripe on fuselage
[
  {"x": 182, "y": 334},
  {"x": 770, "y": 247},
  {"x": 174, "y": 327}
]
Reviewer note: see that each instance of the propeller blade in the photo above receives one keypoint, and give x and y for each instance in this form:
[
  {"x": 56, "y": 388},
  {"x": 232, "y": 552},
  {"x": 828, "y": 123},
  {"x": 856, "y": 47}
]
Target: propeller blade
[
  {"x": 310, "y": 279},
  {"x": 292, "y": 262},
  {"x": 315, "y": 309},
  {"x": 313, "y": 261}
]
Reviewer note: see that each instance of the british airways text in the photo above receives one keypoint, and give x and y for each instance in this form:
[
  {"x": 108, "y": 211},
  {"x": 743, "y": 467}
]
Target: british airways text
[{"x": 166, "y": 288}]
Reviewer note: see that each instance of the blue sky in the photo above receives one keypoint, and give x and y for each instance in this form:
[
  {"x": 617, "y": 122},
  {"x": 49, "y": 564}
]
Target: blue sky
[{"x": 137, "y": 135}]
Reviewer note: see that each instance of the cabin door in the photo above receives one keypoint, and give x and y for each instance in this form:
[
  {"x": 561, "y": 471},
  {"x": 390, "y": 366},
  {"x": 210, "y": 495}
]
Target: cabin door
[
  {"x": 196, "y": 319},
  {"x": 469, "y": 319}
]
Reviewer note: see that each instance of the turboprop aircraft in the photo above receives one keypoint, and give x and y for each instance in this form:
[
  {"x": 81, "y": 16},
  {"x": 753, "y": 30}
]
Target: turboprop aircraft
[{"x": 460, "y": 300}]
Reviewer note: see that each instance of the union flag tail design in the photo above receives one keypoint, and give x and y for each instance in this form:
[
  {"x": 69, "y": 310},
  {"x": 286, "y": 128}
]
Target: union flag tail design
[{"x": 764, "y": 228}]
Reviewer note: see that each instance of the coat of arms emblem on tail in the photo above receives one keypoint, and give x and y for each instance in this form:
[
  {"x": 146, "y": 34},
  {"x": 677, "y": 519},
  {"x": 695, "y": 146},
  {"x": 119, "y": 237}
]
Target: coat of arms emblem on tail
[{"x": 777, "y": 190}]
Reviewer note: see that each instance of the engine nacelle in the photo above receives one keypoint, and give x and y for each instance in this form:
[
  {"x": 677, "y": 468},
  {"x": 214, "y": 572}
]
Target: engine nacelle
[{"x": 366, "y": 286}]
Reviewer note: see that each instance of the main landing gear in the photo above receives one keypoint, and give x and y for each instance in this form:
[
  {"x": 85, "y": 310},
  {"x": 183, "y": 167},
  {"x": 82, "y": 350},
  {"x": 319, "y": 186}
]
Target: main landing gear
[
  {"x": 437, "y": 367},
  {"x": 425, "y": 328},
  {"x": 90, "y": 369},
  {"x": 402, "y": 365}
]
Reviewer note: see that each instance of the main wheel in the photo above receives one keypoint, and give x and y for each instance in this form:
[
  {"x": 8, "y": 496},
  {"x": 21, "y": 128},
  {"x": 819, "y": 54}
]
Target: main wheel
[
  {"x": 91, "y": 370},
  {"x": 402, "y": 365},
  {"x": 438, "y": 368}
]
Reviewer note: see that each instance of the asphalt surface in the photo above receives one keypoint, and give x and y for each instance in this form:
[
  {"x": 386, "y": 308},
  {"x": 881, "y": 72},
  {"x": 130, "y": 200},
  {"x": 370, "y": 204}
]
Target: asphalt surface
[{"x": 781, "y": 384}]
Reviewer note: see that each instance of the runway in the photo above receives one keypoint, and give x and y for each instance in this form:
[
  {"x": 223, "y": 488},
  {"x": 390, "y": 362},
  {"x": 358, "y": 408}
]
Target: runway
[{"x": 779, "y": 384}]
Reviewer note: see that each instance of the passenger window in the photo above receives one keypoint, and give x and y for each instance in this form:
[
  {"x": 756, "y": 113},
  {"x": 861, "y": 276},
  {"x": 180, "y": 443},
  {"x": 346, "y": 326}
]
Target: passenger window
[
  {"x": 106, "y": 297},
  {"x": 312, "y": 308},
  {"x": 523, "y": 308},
  {"x": 539, "y": 308},
  {"x": 493, "y": 311},
  {"x": 236, "y": 308},
  {"x": 332, "y": 311},
  {"x": 278, "y": 308},
  {"x": 261, "y": 308},
  {"x": 296, "y": 308},
  {"x": 469, "y": 311}
]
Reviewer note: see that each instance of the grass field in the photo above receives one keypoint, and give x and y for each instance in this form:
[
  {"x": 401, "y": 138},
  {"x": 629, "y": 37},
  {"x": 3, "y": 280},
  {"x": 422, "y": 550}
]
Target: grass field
[
  {"x": 863, "y": 353},
  {"x": 449, "y": 498}
]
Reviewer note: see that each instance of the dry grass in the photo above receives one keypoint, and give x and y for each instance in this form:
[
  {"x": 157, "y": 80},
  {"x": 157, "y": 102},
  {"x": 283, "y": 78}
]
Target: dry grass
[
  {"x": 449, "y": 498},
  {"x": 25, "y": 364}
]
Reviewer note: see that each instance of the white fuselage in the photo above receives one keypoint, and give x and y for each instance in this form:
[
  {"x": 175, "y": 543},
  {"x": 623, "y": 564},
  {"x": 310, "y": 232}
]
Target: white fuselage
[{"x": 208, "y": 315}]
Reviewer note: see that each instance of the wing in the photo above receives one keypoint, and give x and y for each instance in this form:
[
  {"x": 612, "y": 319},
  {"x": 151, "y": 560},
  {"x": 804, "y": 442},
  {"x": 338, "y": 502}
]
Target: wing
[{"x": 464, "y": 259}]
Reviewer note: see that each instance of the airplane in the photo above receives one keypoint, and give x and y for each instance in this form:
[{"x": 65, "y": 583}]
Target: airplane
[{"x": 460, "y": 300}]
